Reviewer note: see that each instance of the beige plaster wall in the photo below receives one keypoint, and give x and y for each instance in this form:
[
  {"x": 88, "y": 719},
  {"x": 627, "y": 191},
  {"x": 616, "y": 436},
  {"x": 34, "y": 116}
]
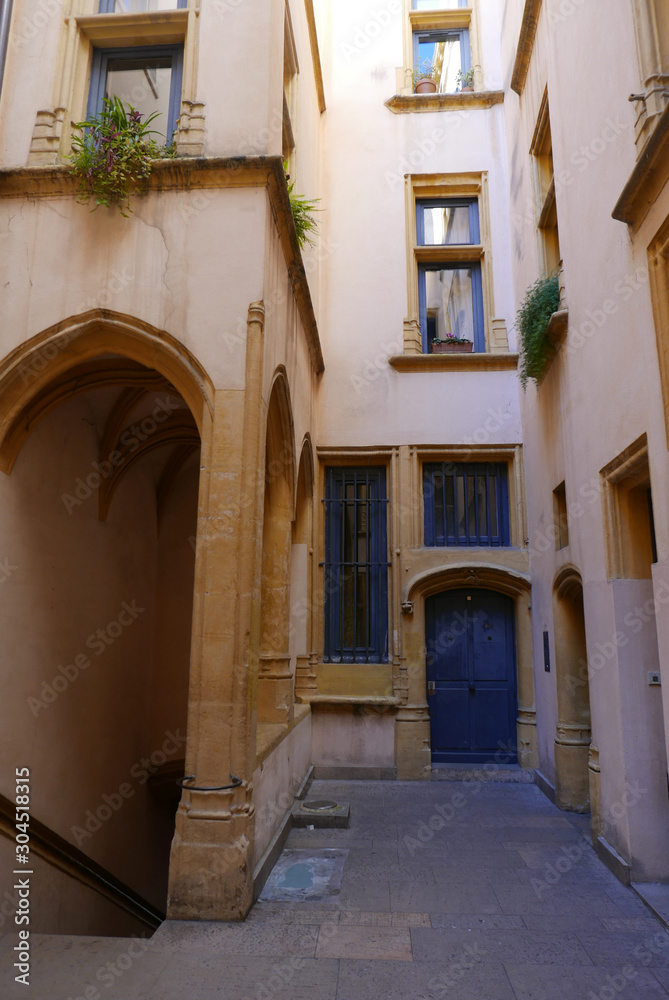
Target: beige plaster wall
[
  {"x": 600, "y": 394},
  {"x": 72, "y": 576},
  {"x": 59, "y": 901},
  {"x": 354, "y": 736},
  {"x": 189, "y": 262},
  {"x": 363, "y": 401}
]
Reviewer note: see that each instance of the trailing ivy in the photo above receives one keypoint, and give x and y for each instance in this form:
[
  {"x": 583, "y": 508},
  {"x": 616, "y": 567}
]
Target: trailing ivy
[
  {"x": 302, "y": 208},
  {"x": 539, "y": 304},
  {"x": 113, "y": 155}
]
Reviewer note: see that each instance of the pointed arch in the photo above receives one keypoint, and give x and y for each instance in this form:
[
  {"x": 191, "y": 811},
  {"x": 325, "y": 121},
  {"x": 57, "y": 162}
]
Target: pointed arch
[
  {"x": 280, "y": 448},
  {"x": 90, "y": 351}
]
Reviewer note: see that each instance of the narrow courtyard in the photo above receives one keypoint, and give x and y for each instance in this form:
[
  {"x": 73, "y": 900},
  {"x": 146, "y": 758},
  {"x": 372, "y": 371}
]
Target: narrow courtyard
[{"x": 472, "y": 889}]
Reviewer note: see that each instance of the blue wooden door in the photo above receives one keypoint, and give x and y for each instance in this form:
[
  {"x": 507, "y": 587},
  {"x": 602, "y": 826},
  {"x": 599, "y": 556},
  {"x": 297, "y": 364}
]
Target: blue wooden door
[{"x": 471, "y": 675}]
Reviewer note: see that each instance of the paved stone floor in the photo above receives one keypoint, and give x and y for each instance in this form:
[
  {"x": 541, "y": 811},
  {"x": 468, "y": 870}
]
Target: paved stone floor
[{"x": 478, "y": 891}]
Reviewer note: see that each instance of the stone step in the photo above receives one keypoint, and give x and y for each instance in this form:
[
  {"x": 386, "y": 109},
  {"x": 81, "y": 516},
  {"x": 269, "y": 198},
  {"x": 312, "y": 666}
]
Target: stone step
[{"x": 509, "y": 773}]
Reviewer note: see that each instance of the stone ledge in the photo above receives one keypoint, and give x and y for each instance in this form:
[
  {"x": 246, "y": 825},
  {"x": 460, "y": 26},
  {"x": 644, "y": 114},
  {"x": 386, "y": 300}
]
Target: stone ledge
[
  {"x": 648, "y": 178},
  {"x": 270, "y": 734},
  {"x": 528, "y": 32},
  {"x": 402, "y": 104},
  {"x": 350, "y": 699},
  {"x": 453, "y": 362},
  {"x": 556, "y": 331}
]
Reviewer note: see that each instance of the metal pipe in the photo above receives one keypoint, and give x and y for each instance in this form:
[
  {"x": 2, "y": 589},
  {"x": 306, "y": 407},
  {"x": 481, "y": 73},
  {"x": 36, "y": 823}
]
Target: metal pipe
[{"x": 5, "y": 21}]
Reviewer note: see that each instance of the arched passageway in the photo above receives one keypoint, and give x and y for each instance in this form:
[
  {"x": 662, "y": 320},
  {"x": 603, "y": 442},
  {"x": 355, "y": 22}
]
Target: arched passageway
[{"x": 99, "y": 449}]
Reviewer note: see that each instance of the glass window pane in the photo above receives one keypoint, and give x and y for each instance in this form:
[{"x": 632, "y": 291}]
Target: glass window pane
[
  {"x": 138, "y": 6},
  {"x": 481, "y": 496},
  {"x": 448, "y": 297},
  {"x": 143, "y": 84},
  {"x": 446, "y": 224},
  {"x": 471, "y": 506},
  {"x": 443, "y": 53},
  {"x": 460, "y": 503},
  {"x": 450, "y": 506},
  {"x": 492, "y": 500},
  {"x": 361, "y": 610}
]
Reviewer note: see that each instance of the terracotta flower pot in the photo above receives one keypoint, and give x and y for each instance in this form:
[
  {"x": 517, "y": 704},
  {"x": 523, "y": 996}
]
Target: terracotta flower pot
[
  {"x": 466, "y": 90},
  {"x": 426, "y": 85},
  {"x": 447, "y": 348}
]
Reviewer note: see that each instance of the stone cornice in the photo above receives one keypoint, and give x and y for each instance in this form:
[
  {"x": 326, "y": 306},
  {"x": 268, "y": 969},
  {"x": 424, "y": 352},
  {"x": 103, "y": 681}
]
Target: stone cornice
[
  {"x": 528, "y": 31},
  {"x": 315, "y": 54},
  {"x": 453, "y": 362},
  {"x": 408, "y": 103},
  {"x": 648, "y": 178},
  {"x": 194, "y": 174}
]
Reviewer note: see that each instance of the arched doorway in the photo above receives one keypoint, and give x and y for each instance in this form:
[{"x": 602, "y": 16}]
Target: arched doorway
[
  {"x": 471, "y": 676},
  {"x": 99, "y": 450},
  {"x": 573, "y": 733}
]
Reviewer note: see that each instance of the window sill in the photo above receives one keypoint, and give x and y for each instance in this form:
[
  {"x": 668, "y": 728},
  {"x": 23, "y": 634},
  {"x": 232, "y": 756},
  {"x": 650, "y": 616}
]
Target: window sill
[
  {"x": 349, "y": 699},
  {"x": 453, "y": 362},
  {"x": 156, "y": 28},
  {"x": 406, "y": 104},
  {"x": 648, "y": 177},
  {"x": 556, "y": 331}
]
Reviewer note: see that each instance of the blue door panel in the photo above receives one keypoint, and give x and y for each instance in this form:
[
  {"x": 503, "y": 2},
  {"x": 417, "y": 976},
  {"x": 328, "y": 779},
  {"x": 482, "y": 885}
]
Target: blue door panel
[
  {"x": 452, "y": 710},
  {"x": 471, "y": 675},
  {"x": 491, "y": 720}
]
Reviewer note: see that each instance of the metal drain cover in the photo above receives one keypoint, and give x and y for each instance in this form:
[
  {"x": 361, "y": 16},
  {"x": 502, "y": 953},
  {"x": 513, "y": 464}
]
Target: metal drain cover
[{"x": 319, "y": 805}]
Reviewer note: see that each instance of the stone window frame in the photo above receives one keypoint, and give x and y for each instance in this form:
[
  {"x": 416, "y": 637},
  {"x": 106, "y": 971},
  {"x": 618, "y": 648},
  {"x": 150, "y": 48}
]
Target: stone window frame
[
  {"x": 509, "y": 455},
  {"x": 627, "y": 550},
  {"x": 543, "y": 180},
  {"x": 658, "y": 269},
  {"x": 451, "y": 19},
  {"x": 83, "y": 30},
  {"x": 419, "y": 187},
  {"x": 385, "y": 458}
]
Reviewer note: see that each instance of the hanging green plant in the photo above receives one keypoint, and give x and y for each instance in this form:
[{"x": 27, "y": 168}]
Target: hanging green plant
[
  {"x": 306, "y": 226},
  {"x": 539, "y": 304},
  {"x": 113, "y": 155}
]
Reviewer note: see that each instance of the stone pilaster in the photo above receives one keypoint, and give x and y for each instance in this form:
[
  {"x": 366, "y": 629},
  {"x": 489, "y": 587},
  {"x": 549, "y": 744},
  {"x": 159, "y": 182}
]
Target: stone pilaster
[{"x": 211, "y": 864}]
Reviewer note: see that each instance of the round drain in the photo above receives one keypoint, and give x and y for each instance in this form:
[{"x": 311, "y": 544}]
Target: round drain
[{"x": 320, "y": 805}]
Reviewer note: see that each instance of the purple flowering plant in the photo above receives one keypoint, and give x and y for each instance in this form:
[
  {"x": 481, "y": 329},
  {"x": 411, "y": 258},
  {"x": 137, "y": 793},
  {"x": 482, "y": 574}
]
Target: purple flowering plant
[{"x": 113, "y": 155}]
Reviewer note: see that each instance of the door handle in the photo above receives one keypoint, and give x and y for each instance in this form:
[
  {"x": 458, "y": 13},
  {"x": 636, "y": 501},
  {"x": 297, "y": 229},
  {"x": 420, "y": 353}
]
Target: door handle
[{"x": 431, "y": 687}]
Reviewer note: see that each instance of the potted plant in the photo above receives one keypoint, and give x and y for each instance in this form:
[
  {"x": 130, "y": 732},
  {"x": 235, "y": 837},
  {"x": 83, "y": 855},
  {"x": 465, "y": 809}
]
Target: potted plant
[
  {"x": 541, "y": 301},
  {"x": 451, "y": 345},
  {"x": 113, "y": 155},
  {"x": 466, "y": 80},
  {"x": 426, "y": 78}
]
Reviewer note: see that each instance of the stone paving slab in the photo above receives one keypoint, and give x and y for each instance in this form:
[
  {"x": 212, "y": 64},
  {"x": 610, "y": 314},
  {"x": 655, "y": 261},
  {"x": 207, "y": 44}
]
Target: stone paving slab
[{"x": 471, "y": 902}]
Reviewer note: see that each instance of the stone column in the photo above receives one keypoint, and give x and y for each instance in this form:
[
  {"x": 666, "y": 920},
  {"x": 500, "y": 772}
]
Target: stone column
[{"x": 211, "y": 864}]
